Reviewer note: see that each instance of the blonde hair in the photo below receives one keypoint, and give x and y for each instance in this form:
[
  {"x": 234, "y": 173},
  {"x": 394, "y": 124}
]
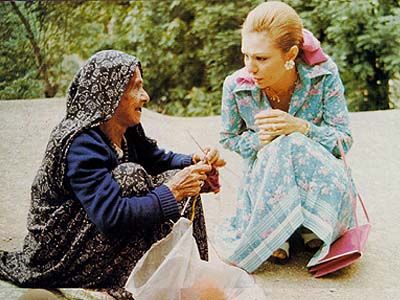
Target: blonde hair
[{"x": 279, "y": 21}]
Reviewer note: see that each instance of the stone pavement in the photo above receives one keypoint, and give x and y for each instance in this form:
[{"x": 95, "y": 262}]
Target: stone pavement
[{"x": 374, "y": 158}]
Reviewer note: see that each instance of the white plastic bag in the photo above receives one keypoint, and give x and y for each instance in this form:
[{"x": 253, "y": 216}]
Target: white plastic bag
[{"x": 172, "y": 270}]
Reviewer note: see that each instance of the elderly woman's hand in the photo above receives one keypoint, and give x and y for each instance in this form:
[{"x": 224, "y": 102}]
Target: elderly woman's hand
[
  {"x": 188, "y": 182},
  {"x": 274, "y": 122},
  {"x": 211, "y": 157}
]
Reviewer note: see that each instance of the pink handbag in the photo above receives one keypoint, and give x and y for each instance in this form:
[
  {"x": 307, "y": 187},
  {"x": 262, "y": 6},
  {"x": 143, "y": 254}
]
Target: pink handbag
[{"x": 350, "y": 246}]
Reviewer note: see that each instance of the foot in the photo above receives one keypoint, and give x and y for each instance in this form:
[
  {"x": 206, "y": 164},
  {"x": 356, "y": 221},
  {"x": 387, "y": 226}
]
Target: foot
[
  {"x": 314, "y": 244},
  {"x": 310, "y": 239},
  {"x": 281, "y": 255}
]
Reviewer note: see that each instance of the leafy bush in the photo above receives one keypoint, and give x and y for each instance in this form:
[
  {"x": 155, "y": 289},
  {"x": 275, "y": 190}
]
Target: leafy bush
[{"x": 188, "y": 47}]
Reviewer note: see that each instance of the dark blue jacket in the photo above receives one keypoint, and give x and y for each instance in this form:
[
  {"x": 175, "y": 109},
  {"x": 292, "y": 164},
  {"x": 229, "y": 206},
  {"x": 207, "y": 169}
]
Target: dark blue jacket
[{"x": 90, "y": 161}]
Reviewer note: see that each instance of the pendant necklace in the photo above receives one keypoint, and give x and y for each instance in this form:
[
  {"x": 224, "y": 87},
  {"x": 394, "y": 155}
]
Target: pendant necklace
[
  {"x": 121, "y": 153},
  {"x": 273, "y": 95}
]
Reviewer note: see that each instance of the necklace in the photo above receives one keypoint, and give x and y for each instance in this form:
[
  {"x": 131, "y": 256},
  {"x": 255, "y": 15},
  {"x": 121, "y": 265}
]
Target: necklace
[
  {"x": 274, "y": 95},
  {"x": 122, "y": 154}
]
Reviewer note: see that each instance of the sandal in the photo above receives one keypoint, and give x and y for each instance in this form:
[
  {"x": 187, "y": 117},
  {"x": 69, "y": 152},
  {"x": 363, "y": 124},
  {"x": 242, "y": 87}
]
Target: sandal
[
  {"x": 281, "y": 255},
  {"x": 311, "y": 240}
]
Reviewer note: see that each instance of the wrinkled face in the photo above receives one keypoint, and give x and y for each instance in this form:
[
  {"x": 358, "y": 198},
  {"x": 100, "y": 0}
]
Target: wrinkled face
[
  {"x": 129, "y": 110},
  {"x": 264, "y": 61}
]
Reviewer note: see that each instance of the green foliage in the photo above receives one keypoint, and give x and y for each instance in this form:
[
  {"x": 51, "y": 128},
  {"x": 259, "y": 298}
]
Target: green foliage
[
  {"x": 16, "y": 78},
  {"x": 195, "y": 103},
  {"x": 55, "y": 30},
  {"x": 23, "y": 87},
  {"x": 363, "y": 37},
  {"x": 188, "y": 47}
]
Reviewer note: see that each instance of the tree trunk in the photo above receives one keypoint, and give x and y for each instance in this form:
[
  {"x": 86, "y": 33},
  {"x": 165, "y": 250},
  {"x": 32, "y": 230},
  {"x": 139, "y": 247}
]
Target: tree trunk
[
  {"x": 50, "y": 89},
  {"x": 378, "y": 88},
  {"x": 378, "y": 95}
]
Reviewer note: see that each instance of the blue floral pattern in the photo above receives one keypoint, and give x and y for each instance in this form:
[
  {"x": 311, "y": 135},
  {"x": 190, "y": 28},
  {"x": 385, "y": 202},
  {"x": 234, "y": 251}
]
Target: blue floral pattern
[{"x": 296, "y": 180}]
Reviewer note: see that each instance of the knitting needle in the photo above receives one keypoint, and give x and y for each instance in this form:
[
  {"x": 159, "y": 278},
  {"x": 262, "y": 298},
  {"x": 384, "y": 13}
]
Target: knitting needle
[
  {"x": 202, "y": 150},
  {"x": 198, "y": 145}
]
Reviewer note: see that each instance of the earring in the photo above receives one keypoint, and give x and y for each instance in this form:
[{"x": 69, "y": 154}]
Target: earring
[{"x": 289, "y": 64}]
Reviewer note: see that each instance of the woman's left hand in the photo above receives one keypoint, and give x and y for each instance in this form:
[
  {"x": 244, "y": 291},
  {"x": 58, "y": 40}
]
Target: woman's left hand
[
  {"x": 211, "y": 156},
  {"x": 275, "y": 122}
]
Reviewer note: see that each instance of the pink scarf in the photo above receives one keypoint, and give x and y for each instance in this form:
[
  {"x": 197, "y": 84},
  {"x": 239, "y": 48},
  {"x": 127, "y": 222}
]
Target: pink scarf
[{"x": 312, "y": 52}]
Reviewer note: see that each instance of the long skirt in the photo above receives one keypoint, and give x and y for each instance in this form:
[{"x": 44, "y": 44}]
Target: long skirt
[
  {"x": 292, "y": 182},
  {"x": 72, "y": 253}
]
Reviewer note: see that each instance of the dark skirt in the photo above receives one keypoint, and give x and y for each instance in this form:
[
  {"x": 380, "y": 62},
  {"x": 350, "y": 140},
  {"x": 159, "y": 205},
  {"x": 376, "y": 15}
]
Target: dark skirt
[{"x": 70, "y": 252}]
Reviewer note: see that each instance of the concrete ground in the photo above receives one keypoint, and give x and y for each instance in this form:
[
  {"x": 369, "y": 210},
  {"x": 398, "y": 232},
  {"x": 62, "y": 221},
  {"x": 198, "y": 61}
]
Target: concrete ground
[{"x": 374, "y": 158}]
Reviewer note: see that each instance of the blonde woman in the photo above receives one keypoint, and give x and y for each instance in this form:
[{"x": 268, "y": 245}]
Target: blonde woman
[{"x": 283, "y": 113}]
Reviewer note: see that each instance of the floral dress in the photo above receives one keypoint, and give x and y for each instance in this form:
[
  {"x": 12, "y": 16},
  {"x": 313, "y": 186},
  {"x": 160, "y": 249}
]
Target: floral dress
[{"x": 296, "y": 180}]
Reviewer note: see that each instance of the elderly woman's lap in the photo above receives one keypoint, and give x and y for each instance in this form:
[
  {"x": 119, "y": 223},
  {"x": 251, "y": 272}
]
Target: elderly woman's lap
[{"x": 135, "y": 181}]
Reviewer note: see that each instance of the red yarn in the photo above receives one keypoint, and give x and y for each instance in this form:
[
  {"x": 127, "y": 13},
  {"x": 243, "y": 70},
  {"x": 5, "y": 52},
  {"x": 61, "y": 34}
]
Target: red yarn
[{"x": 211, "y": 184}]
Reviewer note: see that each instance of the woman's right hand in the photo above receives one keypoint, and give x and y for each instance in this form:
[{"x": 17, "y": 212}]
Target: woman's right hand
[
  {"x": 188, "y": 181},
  {"x": 272, "y": 123},
  {"x": 265, "y": 137}
]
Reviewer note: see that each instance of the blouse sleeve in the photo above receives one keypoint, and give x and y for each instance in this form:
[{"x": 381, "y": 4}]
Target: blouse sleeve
[
  {"x": 89, "y": 162},
  {"x": 335, "y": 118},
  {"x": 234, "y": 135},
  {"x": 154, "y": 159}
]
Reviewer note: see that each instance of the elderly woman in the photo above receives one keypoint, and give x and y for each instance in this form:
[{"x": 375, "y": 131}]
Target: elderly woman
[
  {"x": 104, "y": 192},
  {"x": 284, "y": 113}
]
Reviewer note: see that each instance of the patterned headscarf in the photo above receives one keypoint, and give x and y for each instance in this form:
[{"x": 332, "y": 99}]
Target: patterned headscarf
[{"x": 92, "y": 98}]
